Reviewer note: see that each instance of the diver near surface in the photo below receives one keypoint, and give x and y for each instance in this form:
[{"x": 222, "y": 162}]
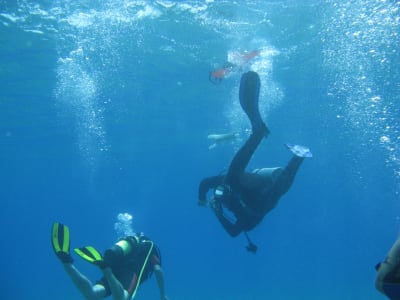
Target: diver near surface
[
  {"x": 242, "y": 58},
  {"x": 388, "y": 277},
  {"x": 249, "y": 196},
  {"x": 125, "y": 265}
]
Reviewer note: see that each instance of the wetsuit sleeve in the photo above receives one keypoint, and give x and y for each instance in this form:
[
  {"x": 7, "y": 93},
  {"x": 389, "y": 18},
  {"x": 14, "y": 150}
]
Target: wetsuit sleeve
[
  {"x": 234, "y": 229},
  {"x": 208, "y": 183}
]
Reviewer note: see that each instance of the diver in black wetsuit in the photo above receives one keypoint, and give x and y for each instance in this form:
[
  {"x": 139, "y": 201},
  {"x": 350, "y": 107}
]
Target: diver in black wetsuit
[{"x": 250, "y": 195}]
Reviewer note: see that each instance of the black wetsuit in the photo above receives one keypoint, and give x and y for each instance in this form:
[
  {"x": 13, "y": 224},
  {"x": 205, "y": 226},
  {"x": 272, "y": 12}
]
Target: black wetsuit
[{"x": 247, "y": 195}]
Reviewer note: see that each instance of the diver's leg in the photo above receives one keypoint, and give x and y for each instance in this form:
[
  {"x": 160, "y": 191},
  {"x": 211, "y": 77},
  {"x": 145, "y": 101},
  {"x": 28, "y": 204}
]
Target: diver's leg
[
  {"x": 83, "y": 284},
  {"x": 269, "y": 198},
  {"x": 286, "y": 178},
  {"x": 117, "y": 290},
  {"x": 249, "y": 92},
  {"x": 248, "y": 96},
  {"x": 243, "y": 156}
]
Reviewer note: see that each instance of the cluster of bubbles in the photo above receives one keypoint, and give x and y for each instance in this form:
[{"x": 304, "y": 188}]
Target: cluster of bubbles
[
  {"x": 77, "y": 89},
  {"x": 89, "y": 40},
  {"x": 360, "y": 48},
  {"x": 269, "y": 89},
  {"x": 95, "y": 45},
  {"x": 123, "y": 226}
]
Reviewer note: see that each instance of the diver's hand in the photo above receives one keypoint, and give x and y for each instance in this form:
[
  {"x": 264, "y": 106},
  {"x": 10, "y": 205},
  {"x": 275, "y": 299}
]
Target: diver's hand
[{"x": 64, "y": 257}]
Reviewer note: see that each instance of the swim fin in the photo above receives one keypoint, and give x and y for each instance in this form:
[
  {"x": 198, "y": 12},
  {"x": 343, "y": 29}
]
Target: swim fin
[
  {"x": 298, "y": 150},
  {"x": 248, "y": 95},
  {"x": 60, "y": 241},
  {"x": 91, "y": 255}
]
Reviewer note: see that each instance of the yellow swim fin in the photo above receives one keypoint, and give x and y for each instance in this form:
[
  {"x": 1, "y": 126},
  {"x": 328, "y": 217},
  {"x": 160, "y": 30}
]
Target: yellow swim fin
[
  {"x": 91, "y": 255},
  {"x": 60, "y": 241}
]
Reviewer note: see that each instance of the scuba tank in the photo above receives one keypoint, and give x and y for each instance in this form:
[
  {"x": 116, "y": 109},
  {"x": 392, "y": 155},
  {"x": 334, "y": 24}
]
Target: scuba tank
[
  {"x": 132, "y": 252},
  {"x": 120, "y": 250}
]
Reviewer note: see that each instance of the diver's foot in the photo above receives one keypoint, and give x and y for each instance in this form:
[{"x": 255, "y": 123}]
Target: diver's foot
[{"x": 298, "y": 150}]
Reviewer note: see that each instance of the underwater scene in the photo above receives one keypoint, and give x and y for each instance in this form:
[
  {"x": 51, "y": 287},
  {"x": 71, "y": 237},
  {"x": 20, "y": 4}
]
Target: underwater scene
[{"x": 113, "y": 111}]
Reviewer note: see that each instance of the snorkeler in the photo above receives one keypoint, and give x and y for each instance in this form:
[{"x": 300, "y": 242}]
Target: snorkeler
[
  {"x": 249, "y": 196},
  {"x": 125, "y": 265},
  {"x": 220, "y": 138},
  {"x": 216, "y": 76}
]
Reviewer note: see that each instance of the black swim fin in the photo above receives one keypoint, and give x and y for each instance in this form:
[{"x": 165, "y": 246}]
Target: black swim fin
[
  {"x": 248, "y": 94},
  {"x": 60, "y": 241}
]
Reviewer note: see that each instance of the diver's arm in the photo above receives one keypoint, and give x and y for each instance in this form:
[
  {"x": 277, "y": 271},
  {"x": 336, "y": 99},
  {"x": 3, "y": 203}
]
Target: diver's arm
[
  {"x": 160, "y": 281},
  {"x": 117, "y": 290},
  {"x": 205, "y": 185}
]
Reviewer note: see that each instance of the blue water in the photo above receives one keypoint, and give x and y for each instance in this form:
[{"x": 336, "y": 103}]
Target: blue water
[{"x": 106, "y": 107}]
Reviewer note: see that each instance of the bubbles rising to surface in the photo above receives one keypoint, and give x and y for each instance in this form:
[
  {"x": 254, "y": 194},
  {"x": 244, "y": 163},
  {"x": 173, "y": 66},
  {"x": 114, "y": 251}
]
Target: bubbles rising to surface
[
  {"x": 77, "y": 90},
  {"x": 360, "y": 49},
  {"x": 123, "y": 226}
]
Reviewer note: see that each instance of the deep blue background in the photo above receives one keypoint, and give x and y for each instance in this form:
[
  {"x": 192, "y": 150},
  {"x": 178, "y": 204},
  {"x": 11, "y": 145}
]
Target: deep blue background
[{"x": 106, "y": 107}]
